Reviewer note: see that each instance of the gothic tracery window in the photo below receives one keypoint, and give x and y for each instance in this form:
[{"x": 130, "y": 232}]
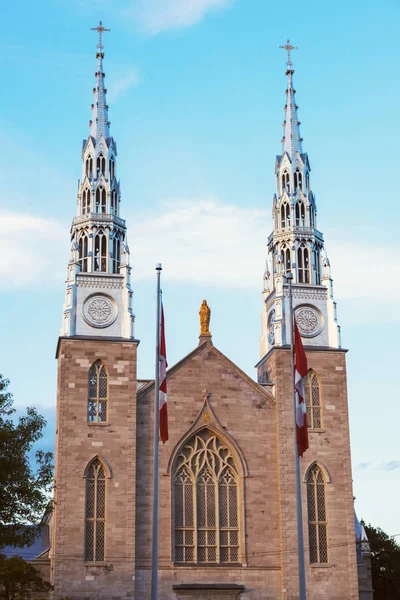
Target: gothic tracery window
[
  {"x": 101, "y": 200},
  {"x": 111, "y": 168},
  {"x": 206, "y": 502},
  {"x": 317, "y": 518},
  {"x": 303, "y": 264},
  {"x": 98, "y": 393},
  {"x": 116, "y": 254},
  {"x": 313, "y": 401},
  {"x": 83, "y": 252},
  {"x": 316, "y": 266},
  {"x": 95, "y": 512},
  {"x": 100, "y": 165},
  {"x": 298, "y": 180},
  {"x": 286, "y": 259},
  {"x": 86, "y": 201},
  {"x": 89, "y": 166},
  {"x": 114, "y": 202},
  {"x": 285, "y": 215},
  {"x": 100, "y": 251},
  {"x": 285, "y": 182},
  {"x": 300, "y": 214}
]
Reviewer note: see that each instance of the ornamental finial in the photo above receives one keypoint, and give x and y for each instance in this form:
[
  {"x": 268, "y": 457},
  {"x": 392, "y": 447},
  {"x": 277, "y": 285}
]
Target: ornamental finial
[
  {"x": 205, "y": 315},
  {"x": 288, "y": 47},
  {"x": 101, "y": 30}
]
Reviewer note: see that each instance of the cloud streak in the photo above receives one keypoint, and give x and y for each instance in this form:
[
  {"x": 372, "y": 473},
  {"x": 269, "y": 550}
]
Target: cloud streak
[
  {"x": 156, "y": 16},
  {"x": 120, "y": 85}
]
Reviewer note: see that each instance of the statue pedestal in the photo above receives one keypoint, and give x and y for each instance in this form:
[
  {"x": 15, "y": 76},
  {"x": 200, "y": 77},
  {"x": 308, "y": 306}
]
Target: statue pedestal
[{"x": 205, "y": 337}]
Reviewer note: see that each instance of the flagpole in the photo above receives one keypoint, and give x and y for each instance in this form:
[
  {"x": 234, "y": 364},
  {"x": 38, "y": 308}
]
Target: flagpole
[
  {"x": 154, "y": 537},
  {"x": 299, "y": 510}
]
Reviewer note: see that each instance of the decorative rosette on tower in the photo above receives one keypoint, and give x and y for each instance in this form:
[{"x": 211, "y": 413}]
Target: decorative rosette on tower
[
  {"x": 98, "y": 293},
  {"x": 295, "y": 245}
]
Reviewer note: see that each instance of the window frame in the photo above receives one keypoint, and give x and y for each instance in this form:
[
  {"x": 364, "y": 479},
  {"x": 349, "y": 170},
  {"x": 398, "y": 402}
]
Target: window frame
[
  {"x": 315, "y": 472},
  {"x": 99, "y": 366},
  {"x": 311, "y": 406},
  {"x": 95, "y": 520}
]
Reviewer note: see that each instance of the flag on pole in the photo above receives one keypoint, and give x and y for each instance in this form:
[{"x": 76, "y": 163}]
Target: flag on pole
[
  {"x": 163, "y": 382},
  {"x": 300, "y": 373}
]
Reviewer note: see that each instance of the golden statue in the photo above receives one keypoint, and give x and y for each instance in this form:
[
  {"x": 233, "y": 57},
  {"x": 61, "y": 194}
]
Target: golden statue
[{"x": 205, "y": 314}]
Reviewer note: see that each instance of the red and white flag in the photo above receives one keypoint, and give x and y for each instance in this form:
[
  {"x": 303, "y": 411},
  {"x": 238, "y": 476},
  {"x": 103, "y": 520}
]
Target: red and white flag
[
  {"x": 163, "y": 382},
  {"x": 300, "y": 373}
]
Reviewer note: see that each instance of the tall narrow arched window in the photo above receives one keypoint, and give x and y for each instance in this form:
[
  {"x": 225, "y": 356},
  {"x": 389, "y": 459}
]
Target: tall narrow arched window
[
  {"x": 317, "y": 519},
  {"x": 98, "y": 393},
  {"x": 95, "y": 512},
  {"x": 285, "y": 215},
  {"x": 100, "y": 252},
  {"x": 114, "y": 201},
  {"x": 300, "y": 214},
  {"x": 286, "y": 259},
  {"x": 89, "y": 166},
  {"x": 86, "y": 201},
  {"x": 298, "y": 180},
  {"x": 101, "y": 200},
  {"x": 83, "y": 252},
  {"x": 100, "y": 165},
  {"x": 312, "y": 216},
  {"x": 313, "y": 401},
  {"x": 206, "y": 504},
  {"x": 307, "y": 182},
  {"x": 303, "y": 264},
  {"x": 111, "y": 168},
  {"x": 116, "y": 254},
  {"x": 316, "y": 266},
  {"x": 285, "y": 182}
]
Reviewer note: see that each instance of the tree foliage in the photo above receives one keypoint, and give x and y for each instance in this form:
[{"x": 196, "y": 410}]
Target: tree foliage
[
  {"x": 385, "y": 563},
  {"x": 19, "y": 579},
  {"x": 24, "y": 490}
]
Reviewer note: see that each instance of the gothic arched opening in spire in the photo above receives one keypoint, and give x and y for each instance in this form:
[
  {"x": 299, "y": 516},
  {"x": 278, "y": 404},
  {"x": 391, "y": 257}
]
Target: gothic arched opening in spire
[
  {"x": 100, "y": 251},
  {"x": 285, "y": 182},
  {"x": 303, "y": 264},
  {"x": 89, "y": 166},
  {"x": 101, "y": 165},
  {"x": 111, "y": 168},
  {"x": 83, "y": 251},
  {"x": 300, "y": 214},
  {"x": 116, "y": 258},
  {"x": 285, "y": 215},
  {"x": 298, "y": 180},
  {"x": 101, "y": 200},
  {"x": 86, "y": 201}
]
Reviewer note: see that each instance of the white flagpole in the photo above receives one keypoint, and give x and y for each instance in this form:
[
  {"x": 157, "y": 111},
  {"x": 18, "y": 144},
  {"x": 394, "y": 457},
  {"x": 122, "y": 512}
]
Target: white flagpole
[
  {"x": 154, "y": 537},
  {"x": 299, "y": 510}
]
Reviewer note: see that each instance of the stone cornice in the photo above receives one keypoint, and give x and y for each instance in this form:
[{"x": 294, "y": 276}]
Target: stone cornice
[{"x": 115, "y": 282}]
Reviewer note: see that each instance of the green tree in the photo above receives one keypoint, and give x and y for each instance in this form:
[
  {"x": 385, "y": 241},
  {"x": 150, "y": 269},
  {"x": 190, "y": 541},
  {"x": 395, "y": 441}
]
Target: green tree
[
  {"x": 19, "y": 579},
  {"x": 24, "y": 490},
  {"x": 385, "y": 563}
]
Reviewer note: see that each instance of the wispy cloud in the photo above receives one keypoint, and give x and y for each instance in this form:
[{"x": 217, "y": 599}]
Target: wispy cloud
[
  {"x": 392, "y": 465},
  {"x": 155, "y": 16},
  {"x": 364, "y": 465},
  {"x": 121, "y": 84}
]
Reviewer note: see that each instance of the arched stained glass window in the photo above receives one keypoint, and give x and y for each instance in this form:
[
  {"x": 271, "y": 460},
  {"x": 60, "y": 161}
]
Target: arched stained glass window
[
  {"x": 313, "y": 401},
  {"x": 206, "y": 502},
  {"x": 95, "y": 512},
  {"x": 317, "y": 519},
  {"x": 98, "y": 393}
]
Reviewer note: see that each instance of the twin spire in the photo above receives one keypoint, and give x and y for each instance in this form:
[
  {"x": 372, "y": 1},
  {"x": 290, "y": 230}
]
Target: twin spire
[
  {"x": 99, "y": 123},
  {"x": 291, "y": 126}
]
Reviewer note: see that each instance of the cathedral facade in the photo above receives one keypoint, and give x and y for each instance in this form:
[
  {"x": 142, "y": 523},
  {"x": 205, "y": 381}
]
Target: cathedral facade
[{"x": 227, "y": 474}]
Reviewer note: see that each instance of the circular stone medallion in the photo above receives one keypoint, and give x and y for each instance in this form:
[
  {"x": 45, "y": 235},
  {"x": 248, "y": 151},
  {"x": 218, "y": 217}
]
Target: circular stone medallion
[
  {"x": 309, "y": 321},
  {"x": 271, "y": 327},
  {"x": 99, "y": 311}
]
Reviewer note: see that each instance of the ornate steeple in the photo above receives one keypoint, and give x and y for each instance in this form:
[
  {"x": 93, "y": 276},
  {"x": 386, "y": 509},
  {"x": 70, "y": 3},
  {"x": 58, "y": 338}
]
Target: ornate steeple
[
  {"x": 99, "y": 124},
  {"x": 99, "y": 249},
  {"x": 296, "y": 245},
  {"x": 291, "y": 126}
]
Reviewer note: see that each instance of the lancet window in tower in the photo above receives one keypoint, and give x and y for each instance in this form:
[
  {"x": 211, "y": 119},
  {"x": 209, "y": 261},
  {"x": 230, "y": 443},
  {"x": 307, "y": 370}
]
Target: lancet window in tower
[
  {"x": 285, "y": 215},
  {"x": 317, "y": 519},
  {"x": 316, "y": 266},
  {"x": 111, "y": 168},
  {"x": 298, "y": 180},
  {"x": 312, "y": 216},
  {"x": 100, "y": 165},
  {"x": 285, "y": 182},
  {"x": 206, "y": 507},
  {"x": 95, "y": 512},
  {"x": 114, "y": 200},
  {"x": 83, "y": 252},
  {"x": 286, "y": 259},
  {"x": 300, "y": 214},
  {"x": 89, "y": 167},
  {"x": 313, "y": 401},
  {"x": 116, "y": 260},
  {"x": 100, "y": 251},
  {"x": 307, "y": 182},
  {"x": 101, "y": 200},
  {"x": 303, "y": 264},
  {"x": 97, "y": 393},
  {"x": 86, "y": 196}
]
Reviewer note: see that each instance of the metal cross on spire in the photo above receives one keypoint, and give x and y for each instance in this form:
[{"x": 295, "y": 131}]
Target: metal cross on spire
[
  {"x": 288, "y": 47},
  {"x": 101, "y": 30}
]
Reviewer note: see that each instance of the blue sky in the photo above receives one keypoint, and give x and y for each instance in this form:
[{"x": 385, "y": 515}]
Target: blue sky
[{"x": 196, "y": 93}]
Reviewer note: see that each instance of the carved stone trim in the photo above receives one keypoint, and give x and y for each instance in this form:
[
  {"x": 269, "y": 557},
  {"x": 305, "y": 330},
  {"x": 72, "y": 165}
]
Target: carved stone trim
[
  {"x": 99, "y": 311},
  {"x": 100, "y": 282},
  {"x": 309, "y": 320}
]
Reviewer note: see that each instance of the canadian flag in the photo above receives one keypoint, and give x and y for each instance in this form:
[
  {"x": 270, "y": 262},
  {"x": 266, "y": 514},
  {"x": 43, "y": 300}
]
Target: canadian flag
[
  {"x": 300, "y": 373},
  {"x": 163, "y": 382}
]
